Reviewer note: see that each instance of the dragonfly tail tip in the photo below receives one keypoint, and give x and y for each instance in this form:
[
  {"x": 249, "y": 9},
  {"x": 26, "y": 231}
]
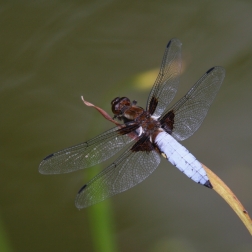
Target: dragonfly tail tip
[{"x": 208, "y": 184}]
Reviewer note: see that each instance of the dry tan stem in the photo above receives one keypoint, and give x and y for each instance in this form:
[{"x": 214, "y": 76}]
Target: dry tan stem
[{"x": 224, "y": 191}]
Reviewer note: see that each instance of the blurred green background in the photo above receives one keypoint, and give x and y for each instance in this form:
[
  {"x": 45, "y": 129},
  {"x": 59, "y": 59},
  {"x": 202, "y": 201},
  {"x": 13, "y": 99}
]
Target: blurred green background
[{"x": 52, "y": 52}]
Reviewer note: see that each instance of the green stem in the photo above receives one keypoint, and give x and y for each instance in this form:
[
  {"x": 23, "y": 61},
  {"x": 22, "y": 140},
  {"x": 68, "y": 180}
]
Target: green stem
[
  {"x": 102, "y": 222},
  {"x": 4, "y": 243}
]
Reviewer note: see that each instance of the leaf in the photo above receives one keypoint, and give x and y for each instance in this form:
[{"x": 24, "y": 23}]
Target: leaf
[{"x": 101, "y": 111}]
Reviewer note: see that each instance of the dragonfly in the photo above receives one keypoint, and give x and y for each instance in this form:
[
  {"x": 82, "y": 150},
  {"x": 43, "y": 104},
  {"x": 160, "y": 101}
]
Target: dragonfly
[{"x": 143, "y": 135}]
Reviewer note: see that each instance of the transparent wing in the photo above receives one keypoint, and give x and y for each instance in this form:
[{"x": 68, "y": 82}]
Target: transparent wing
[
  {"x": 191, "y": 110},
  {"x": 131, "y": 168},
  {"x": 166, "y": 84},
  {"x": 89, "y": 153}
]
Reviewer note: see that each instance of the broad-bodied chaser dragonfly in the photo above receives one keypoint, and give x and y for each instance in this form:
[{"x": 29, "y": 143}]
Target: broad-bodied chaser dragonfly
[{"x": 149, "y": 133}]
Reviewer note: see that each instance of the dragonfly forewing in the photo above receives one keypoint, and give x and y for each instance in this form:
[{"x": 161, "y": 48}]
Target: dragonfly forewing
[
  {"x": 166, "y": 84},
  {"x": 88, "y": 153}
]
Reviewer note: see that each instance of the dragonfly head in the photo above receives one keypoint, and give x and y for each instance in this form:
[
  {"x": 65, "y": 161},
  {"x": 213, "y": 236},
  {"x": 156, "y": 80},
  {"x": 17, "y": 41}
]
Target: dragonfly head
[{"x": 120, "y": 105}]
